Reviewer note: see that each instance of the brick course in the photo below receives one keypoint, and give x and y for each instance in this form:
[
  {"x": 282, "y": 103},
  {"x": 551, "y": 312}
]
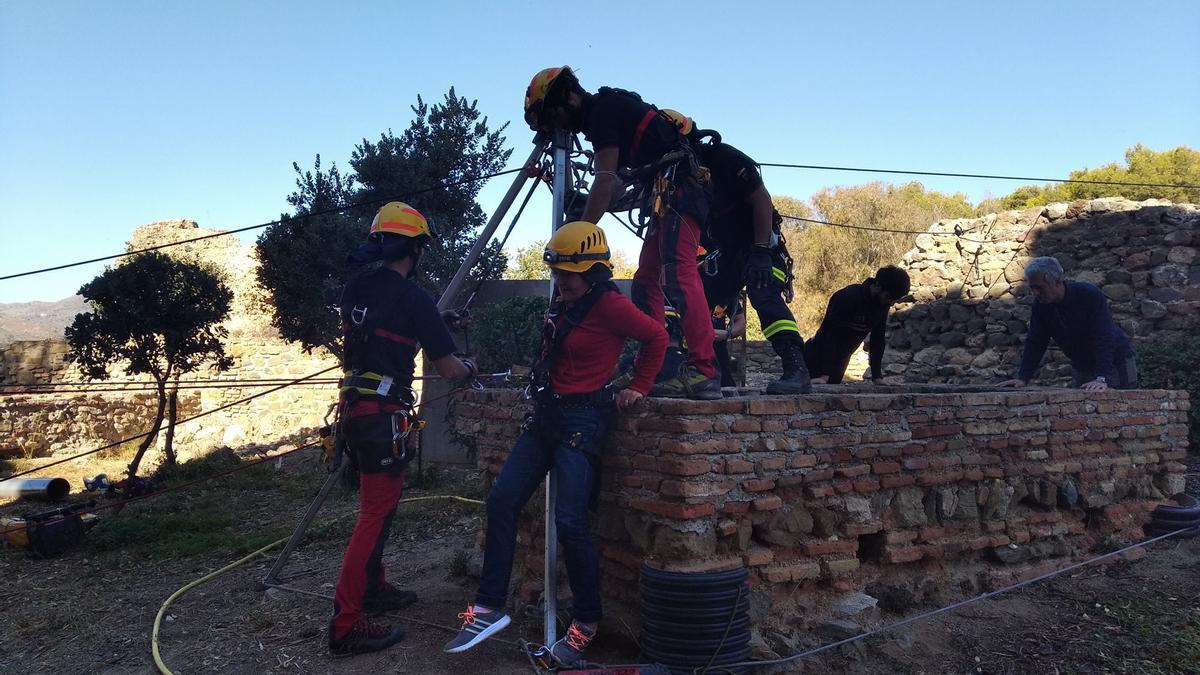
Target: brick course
[{"x": 802, "y": 505}]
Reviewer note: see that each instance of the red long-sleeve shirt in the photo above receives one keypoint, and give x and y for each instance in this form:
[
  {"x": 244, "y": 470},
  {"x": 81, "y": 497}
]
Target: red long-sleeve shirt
[{"x": 590, "y": 352}]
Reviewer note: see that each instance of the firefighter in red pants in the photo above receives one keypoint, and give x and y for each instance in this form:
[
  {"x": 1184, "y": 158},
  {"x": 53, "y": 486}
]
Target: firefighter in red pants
[
  {"x": 749, "y": 251},
  {"x": 628, "y": 133},
  {"x": 386, "y": 318}
]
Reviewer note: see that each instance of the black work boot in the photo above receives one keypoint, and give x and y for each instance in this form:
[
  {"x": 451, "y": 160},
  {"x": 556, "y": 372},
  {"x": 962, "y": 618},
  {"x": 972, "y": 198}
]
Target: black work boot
[
  {"x": 795, "y": 378},
  {"x": 387, "y": 598},
  {"x": 364, "y": 637}
]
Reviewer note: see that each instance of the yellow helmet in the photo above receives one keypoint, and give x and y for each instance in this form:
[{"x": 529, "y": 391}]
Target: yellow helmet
[
  {"x": 682, "y": 122},
  {"x": 402, "y": 219},
  {"x": 539, "y": 88},
  {"x": 577, "y": 247}
]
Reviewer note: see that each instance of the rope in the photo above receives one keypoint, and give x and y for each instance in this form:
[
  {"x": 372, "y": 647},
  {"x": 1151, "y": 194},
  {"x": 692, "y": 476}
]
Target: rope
[
  {"x": 884, "y": 229},
  {"x": 180, "y": 486},
  {"x": 189, "y": 419},
  {"x": 492, "y": 263},
  {"x": 1082, "y": 181},
  {"x": 951, "y": 607},
  {"x": 105, "y": 386},
  {"x": 336, "y": 209},
  {"x": 154, "y": 633}
]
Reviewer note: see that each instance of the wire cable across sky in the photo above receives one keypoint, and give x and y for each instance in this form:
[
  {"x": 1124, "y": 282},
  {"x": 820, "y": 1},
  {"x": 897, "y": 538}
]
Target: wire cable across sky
[
  {"x": 248, "y": 228},
  {"x": 911, "y": 172},
  {"x": 463, "y": 181}
]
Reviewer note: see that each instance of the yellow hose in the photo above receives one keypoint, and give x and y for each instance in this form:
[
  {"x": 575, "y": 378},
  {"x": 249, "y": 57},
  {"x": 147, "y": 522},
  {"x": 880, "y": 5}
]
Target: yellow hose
[
  {"x": 158, "y": 662},
  {"x": 162, "y": 667}
]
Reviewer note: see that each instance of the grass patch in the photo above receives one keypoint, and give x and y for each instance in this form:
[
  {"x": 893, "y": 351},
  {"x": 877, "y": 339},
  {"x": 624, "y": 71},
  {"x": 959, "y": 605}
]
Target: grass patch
[
  {"x": 214, "y": 518},
  {"x": 460, "y": 564},
  {"x": 429, "y": 477},
  {"x": 1155, "y": 636}
]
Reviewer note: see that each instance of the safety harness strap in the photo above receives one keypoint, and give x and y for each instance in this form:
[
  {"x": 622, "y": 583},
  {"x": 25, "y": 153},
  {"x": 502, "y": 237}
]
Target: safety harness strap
[
  {"x": 636, "y": 144},
  {"x": 554, "y": 331}
]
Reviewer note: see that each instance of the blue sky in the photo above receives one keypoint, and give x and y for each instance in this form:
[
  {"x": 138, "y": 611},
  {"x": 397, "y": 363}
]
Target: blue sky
[{"x": 119, "y": 113}]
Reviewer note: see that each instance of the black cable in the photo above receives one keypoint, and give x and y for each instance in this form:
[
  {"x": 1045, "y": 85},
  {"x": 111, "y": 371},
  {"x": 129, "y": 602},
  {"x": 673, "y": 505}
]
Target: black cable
[
  {"x": 440, "y": 186},
  {"x": 1184, "y": 186},
  {"x": 492, "y": 263},
  {"x": 189, "y": 419},
  {"x": 884, "y": 229},
  {"x": 150, "y": 389},
  {"x": 117, "y": 383},
  {"x": 951, "y": 607}
]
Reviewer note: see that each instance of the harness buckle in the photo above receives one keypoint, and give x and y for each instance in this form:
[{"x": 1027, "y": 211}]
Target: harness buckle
[
  {"x": 358, "y": 315},
  {"x": 385, "y": 385}
]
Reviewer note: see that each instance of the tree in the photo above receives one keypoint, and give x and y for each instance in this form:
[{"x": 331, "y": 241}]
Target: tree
[
  {"x": 828, "y": 258},
  {"x": 527, "y": 263},
  {"x": 302, "y": 259},
  {"x": 1142, "y": 165},
  {"x": 448, "y": 142},
  {"x": 160, "y": 317},
  {"x": 623, "y": 267}
]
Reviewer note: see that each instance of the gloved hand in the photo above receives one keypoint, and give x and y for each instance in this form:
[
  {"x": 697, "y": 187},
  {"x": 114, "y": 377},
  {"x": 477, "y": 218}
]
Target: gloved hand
[
  {"x": 456, "y": 319},
  {"x": 758, "y": 267}
]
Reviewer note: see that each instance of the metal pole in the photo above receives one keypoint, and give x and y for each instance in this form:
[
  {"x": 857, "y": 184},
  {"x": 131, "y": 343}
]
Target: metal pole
[
  {"x": 460, "y": 276},
  {"x": 562, "y": 141},
  {"x": 306, "y": 520},
  {"x": 455, "y": 284}
]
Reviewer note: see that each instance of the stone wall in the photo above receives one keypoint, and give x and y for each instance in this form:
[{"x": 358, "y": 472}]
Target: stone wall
[
  {"x": 888, "y": 489},
  {"x": 39, "y": 423},
  {"x": 763, "y": 365},
  {"x": 971, "y": 309}
]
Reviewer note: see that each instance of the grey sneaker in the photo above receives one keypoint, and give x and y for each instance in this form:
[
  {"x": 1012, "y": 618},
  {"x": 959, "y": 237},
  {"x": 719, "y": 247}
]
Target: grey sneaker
[
  {"x": 569, "y": 649},
  {"x": 476, "y": 627}
]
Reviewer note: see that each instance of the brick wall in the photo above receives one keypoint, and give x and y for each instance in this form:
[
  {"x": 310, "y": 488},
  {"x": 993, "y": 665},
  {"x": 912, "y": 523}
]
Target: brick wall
[{"x": 856, "y": 486}]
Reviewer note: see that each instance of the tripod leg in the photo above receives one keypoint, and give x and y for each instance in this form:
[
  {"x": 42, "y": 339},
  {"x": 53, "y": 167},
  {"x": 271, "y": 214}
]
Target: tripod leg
[{"x": 298, "y": 534}]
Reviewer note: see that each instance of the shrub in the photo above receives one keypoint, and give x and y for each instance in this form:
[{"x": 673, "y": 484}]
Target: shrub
[
  {"x": 1171, "y": 364},
  {"x": 508, "y": 332}
]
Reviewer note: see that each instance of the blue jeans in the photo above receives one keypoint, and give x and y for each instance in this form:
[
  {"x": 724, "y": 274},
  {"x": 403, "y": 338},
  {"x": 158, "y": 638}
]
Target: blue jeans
[{"x": 568, "y": 440}]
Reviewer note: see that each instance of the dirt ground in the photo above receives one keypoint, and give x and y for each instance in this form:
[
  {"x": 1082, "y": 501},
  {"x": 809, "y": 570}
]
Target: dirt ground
[{"x": 91, "y": 611}]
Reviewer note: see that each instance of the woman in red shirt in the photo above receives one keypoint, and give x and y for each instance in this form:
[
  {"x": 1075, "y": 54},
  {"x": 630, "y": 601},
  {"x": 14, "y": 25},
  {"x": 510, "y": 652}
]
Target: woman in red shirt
[{"x": 586, "y": 327}]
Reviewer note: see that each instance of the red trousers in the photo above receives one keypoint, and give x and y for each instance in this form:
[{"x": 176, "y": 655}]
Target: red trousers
[
  {"x": 362, "y": 567},
  {"x": 667, "y": 267}
]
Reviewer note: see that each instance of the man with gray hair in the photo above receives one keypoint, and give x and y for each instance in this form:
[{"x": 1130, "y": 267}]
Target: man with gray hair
[{"x": 1075, "y": 314}]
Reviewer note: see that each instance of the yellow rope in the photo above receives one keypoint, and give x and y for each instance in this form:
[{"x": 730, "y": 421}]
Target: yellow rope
[
  {"x": 162, "y": 667},
  {"x": 158, "y": 662}
]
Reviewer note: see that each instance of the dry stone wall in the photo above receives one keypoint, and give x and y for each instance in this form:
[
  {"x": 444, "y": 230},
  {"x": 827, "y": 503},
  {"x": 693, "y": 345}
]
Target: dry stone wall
[
  {"x": 971, "y": 310},
  {"x": 859, "y": 487},
  {"x": 43, "y": 424}
]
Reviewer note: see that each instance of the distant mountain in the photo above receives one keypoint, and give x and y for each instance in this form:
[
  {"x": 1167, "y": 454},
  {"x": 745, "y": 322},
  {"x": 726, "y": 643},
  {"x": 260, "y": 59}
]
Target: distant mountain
[{"x": 38, "y": 320}]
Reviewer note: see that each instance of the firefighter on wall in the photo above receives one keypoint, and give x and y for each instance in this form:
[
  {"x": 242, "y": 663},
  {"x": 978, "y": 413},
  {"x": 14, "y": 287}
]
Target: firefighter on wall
[
  {"x": 630, "y": 135},
  {"x": 386, "y": 319},
  {"x": 747, "y": 250}
]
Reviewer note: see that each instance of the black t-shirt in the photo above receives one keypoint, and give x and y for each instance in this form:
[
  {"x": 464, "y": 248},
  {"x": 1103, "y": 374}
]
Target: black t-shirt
[
  {"x": 401, "y": 318},
  {"x": 612, "y": 117},
  {"x": 852, "y": 314},
  {"x": 734, "y": 177}
]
